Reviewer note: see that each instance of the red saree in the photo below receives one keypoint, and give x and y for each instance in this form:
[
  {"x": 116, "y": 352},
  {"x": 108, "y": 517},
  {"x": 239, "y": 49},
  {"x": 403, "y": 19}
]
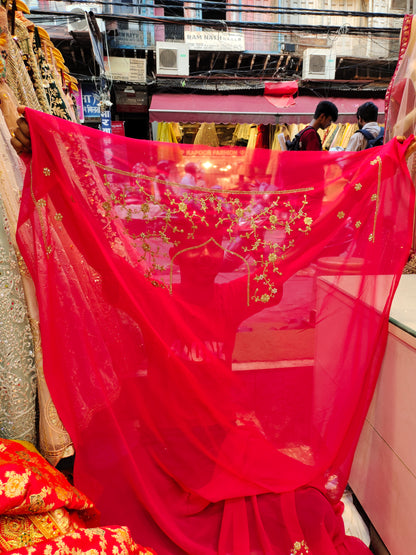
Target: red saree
[{"x": 212, "y": 348}]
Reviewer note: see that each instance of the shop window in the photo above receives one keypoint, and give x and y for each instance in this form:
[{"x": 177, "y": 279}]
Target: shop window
[
  {"x": 174, "y": 8},
  {"x": 398, "y": 5},
  {"x": 214, "y": 10}
]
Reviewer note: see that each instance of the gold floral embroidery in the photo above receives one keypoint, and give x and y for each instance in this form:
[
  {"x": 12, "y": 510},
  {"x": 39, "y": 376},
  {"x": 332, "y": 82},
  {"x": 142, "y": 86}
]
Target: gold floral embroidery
[
  {"x": 377, "y": 160},
  {"x": 47, "y": 172},
  {"x": 299, "y": 548},
  {"x": 15, "y": 484},
  {"x": 374, "y": 197},
  {"x": 40, "y": 204},
  {"x": 153, "y": 223},
  {"x": 357, "y": 224},
  {"x": 341, "y": 215},
  {"x": 358, "y": 186},
  {"x": 17, "y": 531}
]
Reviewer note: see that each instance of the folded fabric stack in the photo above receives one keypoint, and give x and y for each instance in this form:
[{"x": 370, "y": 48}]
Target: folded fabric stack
[{"x": 42, "y": 513}]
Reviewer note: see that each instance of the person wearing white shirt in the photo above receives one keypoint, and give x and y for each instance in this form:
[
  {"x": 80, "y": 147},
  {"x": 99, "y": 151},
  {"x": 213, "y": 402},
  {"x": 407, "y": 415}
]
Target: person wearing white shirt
[{"x": 367, "y": 115}]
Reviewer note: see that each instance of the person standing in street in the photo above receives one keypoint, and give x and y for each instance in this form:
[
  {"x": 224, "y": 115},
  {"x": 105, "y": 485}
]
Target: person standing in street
[
  {"x": 367, "y": 115},
  {"x": 325, "y": 113}
]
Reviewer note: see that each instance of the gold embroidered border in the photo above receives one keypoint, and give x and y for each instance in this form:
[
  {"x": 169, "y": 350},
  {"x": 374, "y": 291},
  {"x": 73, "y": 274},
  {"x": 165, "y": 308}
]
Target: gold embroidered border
[
  {"x": 38, "y": 204},
  {"x": 196, "y": 188},
  {"x": 377, "y": 160},
  {"x": 212, "y": 240}
]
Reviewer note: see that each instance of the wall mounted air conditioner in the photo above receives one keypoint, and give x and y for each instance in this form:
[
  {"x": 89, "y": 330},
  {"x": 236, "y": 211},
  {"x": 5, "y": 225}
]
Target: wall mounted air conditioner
[
  {"x": 318, "y": 63},
  {"x": 172, "y": 58},
  {"x": 80, "y": 25}
]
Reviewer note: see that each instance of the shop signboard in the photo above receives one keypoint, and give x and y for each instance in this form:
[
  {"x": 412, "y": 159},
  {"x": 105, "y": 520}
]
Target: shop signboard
[
  {"x": 215, "y": 40},
  {"x": 129, "y": 100},
  {"x": 130, "y": 70},
  {"x": 91, "y": 101},
  {"x": 117, "y": 128},
  {"x": 128, "y": 38},
  {"x": 105, "y": 124}
]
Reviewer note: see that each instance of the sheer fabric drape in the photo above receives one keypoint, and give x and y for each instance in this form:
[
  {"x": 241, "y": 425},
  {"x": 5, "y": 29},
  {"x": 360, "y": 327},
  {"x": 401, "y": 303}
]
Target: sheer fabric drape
[{"x": 213, "y": 349}]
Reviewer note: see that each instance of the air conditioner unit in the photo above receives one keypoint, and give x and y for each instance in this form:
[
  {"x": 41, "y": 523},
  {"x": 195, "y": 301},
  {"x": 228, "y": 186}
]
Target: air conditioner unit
[
  {"x": 80, "y": 25},
  {"x": 318, "y": 63},
  {"x": 172, "y": 58}
]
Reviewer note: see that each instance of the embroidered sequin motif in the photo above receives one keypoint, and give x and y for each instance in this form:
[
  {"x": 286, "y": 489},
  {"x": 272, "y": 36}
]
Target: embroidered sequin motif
[
  {"x": 17, "y": 357},
  {"x": 299, "y": 548}
]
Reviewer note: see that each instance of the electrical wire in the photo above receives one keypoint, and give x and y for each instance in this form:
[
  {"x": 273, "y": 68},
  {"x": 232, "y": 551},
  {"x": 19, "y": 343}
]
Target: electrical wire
[
  {"x": 235, "y": 7},
  {"x": 254, "y": 25}
]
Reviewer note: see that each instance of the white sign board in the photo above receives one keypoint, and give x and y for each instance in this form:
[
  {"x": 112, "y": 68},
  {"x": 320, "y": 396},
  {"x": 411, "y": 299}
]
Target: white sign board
[
  {"x": 132, "y": 70},
  {"x": 215, "y": 40}
]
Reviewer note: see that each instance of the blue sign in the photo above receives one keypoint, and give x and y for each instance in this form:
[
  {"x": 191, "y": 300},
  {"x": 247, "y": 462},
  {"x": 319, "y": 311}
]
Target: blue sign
[
  {"x": 91, "y": 101},
  {"x": 106, "y": 121}
]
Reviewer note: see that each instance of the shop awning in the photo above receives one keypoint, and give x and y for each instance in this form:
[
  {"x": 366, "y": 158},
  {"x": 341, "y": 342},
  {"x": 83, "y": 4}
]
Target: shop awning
[
  {"x": 304, "y": 107},
  {"x": 236, "y": 108},
  {"x": 198, "y": 108}
]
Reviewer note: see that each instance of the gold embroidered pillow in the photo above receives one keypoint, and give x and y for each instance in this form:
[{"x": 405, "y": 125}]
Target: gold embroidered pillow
[{"x": 29, "y": 484}]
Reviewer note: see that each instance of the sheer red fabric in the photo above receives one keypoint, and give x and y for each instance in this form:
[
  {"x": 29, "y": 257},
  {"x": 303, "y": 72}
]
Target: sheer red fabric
[{"x": 212, "y": 345}]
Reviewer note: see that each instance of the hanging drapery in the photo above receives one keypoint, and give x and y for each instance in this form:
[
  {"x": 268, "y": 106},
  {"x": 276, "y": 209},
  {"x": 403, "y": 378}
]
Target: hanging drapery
[
  {"x": 212, "y": 350},
  {"x": 401, "y": 101},
  {"x": 401, "y": 93}
]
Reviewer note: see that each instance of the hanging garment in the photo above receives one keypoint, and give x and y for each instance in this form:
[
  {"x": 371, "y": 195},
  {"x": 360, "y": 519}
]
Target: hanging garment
[
  {"x": 8, "y": 105},
  {"x": 53, "y": 92},
  {"x": 17, "y": 365},
  {"x": 53, "y": 440},
  {"x": 25, "y": 38},
  {"x": 165, "y": 132},
  {"x": 17, "y": 76},
  {"x": 17, "y": 368},
  {"x": 262, "y": 139},
  {"x": 207, "y": 135},
  {"x": 213, "y": 363}
]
